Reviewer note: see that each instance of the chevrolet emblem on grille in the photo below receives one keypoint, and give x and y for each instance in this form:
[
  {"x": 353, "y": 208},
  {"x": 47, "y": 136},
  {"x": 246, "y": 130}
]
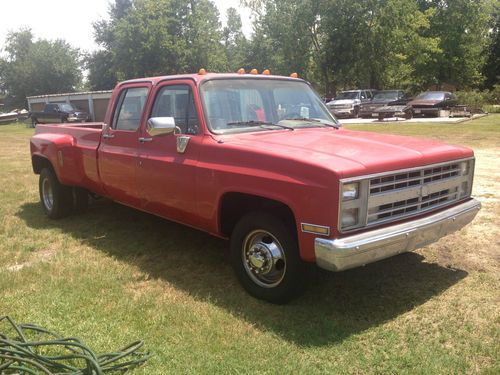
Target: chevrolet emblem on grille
[{"x": 424, "y": 190}]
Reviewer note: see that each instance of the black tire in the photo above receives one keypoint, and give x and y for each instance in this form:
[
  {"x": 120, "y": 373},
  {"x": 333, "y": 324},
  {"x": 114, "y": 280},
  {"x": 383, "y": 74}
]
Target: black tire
[
  {"x": 285, "y": 280},
  {"x": 409, "y": 115},
  {"x": 34, "y": 122},
  {"x": 56, "y": 199},
  {"x": 80, "y": 200},
  {"x": 356, "y": 112},
  {"x": 381, "y": 116}
]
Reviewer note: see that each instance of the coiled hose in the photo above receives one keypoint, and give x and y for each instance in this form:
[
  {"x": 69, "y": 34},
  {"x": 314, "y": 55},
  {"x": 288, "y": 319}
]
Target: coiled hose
[{"x": 36, "y": 350}]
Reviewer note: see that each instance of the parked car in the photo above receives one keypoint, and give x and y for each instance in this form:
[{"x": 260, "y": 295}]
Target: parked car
[
  {"x": 348, "y": 103},
  {"x": 431, "y": 102},
  {"x": 380, "y": 99},
  {"x": 59, "y": 112},
  {"x": 259, "y": 160}
]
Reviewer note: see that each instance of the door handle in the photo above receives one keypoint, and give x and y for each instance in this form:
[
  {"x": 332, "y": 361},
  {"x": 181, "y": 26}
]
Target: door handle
[
  {"x": 108, "y": 136},
  {"x": 143, "y": 139}
]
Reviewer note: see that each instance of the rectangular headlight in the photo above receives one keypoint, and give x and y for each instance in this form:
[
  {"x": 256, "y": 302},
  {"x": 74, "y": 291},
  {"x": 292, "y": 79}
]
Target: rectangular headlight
[
  {"x": 350, "y": 217},
  {"x": 350, "y": 191}
]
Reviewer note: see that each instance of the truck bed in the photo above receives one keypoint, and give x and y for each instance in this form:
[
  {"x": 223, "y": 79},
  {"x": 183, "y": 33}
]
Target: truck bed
[{"x": 72, "y": 149}]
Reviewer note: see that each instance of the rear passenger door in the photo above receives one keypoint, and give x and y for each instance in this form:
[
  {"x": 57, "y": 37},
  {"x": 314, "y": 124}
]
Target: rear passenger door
[{"x": 118, "y": 152}]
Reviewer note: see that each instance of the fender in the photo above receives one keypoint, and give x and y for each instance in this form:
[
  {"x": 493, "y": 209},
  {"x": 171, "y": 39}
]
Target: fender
[{"x": 59, "y": 150}]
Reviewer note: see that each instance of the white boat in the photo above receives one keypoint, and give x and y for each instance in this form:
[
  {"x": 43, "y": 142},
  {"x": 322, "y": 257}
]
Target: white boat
[{"x": 8, "y": 117}]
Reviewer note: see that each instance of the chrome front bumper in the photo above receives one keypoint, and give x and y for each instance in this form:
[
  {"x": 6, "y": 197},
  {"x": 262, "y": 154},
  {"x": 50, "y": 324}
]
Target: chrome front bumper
[{"x": 368, "y": 247}]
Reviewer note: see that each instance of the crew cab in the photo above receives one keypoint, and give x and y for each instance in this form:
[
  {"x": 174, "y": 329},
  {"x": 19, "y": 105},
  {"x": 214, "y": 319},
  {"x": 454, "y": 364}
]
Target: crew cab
[
  {"x": 259, "y": 160},
  {"x": 58, "y": 112}
]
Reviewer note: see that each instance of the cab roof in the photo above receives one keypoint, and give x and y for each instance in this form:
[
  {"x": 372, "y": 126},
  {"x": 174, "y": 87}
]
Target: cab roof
[{"x": 198, "y": 78}]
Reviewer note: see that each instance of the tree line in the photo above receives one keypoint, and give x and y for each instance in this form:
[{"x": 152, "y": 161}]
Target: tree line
[{"x": 335, "y": 44}]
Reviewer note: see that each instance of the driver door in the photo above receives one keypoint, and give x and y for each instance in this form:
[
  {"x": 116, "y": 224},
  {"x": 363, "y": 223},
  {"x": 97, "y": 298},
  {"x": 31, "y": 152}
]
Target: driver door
[{"x": 168, "y": 162}]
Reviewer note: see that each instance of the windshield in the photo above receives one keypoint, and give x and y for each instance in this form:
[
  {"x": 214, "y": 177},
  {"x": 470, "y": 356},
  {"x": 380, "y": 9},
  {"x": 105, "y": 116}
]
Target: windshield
[
  {"x": 242, "y": 105},
  {"x": 431, "y": 96},
  {"x": 348, "y": 95},
  {"x": 66, "y": 107},
  {"x": 386, "y": 95}
]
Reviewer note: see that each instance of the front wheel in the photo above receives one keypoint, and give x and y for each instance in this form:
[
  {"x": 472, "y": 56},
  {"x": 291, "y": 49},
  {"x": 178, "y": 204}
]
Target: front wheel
[
  {"x": 265, "y": 258},
  {"x": 56, "y": 198}
]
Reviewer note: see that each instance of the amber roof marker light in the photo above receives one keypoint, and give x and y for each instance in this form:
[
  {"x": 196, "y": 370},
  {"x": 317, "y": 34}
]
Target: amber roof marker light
[
  {"x": 254, "y": 71},
  {"x": 294, "y": 75},
  {"x": 266, "y": 72},
  {"x": 241, "y": 71},
  {"x": 202, "y": 72}
]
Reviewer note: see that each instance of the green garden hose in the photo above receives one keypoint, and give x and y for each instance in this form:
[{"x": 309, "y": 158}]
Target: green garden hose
[{"x": 36, "y": 350}]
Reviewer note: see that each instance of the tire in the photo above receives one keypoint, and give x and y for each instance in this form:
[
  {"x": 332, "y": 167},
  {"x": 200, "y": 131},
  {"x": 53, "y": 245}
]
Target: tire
[
  {"x": 356, "y": 112},
  {"x": 56, "y": 199},
  {"x": 80, "y": 200},
  {"x": 281, "y": 274},
  {"x": 34, "y": 122},
  {"x": 409, "y": 115},
  {"x": 381, "y": 116}
]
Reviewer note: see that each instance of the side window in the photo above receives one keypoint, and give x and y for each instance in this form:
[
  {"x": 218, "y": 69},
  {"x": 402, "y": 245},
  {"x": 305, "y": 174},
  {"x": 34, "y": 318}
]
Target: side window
[
  {"x": 363, "y": 95},
  {"x": 50, "y": 107},
  {"x": 177, "y": 101},
  {"x": 129, "y": 108}
]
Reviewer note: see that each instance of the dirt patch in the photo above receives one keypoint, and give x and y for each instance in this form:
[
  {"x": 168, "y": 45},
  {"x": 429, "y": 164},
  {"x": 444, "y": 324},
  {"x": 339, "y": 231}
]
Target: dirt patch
[{"x": 42, "y": 256}]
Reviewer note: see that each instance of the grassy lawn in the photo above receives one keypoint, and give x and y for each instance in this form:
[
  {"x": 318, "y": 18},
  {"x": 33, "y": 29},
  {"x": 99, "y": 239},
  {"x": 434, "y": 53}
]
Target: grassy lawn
[{"x": 114, "y": 275}]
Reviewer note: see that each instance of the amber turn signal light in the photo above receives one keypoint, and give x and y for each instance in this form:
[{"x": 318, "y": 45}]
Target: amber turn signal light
[{"x": 202, "y": 72}]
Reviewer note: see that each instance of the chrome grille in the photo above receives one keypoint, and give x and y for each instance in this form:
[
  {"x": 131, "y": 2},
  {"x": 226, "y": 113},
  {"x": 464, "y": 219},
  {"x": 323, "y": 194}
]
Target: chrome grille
[
  {"x": 408, "y": 193},
  {"x": 387, "y": 197}
]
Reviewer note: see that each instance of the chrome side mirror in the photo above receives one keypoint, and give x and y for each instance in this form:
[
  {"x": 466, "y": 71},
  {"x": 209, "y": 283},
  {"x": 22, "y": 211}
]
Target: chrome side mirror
[{"x": 161, "y": 125}]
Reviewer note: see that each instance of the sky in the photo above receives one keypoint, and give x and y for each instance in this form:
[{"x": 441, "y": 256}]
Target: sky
[{"x": 72, "y": 19}]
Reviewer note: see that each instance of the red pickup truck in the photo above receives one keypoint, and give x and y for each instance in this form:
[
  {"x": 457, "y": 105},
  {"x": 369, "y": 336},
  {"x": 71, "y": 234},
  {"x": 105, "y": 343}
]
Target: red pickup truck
[{"x": 258, "y": 159}]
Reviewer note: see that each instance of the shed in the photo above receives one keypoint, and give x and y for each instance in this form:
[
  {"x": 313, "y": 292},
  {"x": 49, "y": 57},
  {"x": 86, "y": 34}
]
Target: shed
[{"x": 93, "y": 102}]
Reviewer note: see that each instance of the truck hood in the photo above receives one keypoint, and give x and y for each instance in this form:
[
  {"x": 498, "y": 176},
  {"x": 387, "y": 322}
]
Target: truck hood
[
  {"x": 344, "y": 101},
  {"x": 424, "y": 103},
  {"x": 349, "y": 153}
]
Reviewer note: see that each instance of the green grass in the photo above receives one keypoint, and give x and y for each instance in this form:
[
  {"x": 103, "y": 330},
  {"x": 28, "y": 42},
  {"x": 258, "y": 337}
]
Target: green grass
[{"x": 114, "y": 275}]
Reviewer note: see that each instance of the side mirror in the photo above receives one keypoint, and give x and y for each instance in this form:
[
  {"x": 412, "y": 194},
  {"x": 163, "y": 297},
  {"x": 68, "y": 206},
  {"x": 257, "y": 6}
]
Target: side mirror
[{"x": 161, "y": 125}]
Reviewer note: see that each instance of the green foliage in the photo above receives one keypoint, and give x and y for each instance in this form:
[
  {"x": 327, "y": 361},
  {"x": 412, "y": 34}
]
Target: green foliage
[
  {"x": 149, "y": 37},
  {"x": 491, "y": 68},
  {"x": 37, "y": 67},
  {"x": 234, "y": 41},
  {"x": 461, "y": 26}
]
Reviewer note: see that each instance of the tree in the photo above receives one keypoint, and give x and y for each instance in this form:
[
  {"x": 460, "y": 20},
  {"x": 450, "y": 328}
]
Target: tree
[
  {"x": 101, "y": 64},
  {"x": 156, "y": 37},
  {"x": 37, "y": 67},
  {"x": 462, "y": 28},
  {"x": 234, "y": 41},
  {"x": 491, "y": 68}
]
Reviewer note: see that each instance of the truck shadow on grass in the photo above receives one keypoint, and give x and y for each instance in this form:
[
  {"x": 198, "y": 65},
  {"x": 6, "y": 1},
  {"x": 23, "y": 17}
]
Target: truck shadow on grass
[{"x": 334, "y": 306}]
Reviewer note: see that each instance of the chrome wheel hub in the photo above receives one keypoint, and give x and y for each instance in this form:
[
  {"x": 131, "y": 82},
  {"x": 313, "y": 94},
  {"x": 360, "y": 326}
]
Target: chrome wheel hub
[
  {"x": 263, "y": 258},
  {"x": 47, "y": 194}
]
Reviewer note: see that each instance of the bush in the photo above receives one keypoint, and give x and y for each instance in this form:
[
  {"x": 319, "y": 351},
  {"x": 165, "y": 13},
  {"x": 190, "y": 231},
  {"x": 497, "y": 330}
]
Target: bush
[
  {"x": 473, "y": 99},
  {"x": 486, "y": 100}
]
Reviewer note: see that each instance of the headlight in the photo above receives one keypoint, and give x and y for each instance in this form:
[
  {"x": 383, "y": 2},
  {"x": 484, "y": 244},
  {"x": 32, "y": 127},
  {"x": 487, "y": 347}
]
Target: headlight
[
  {"x": 350, "y": 217},
  {"x": 350, "y": 191}
]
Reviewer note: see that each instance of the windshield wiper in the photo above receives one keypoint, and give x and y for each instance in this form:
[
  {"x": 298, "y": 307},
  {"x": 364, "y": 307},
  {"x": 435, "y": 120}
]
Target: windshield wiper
[
  {"x": 307, "y": 119},
  {"x": 257, "y": 123}
]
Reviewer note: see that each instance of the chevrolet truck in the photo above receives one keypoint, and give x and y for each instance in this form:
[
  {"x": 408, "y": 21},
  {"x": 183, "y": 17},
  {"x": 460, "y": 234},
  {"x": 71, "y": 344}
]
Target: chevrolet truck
[{"x": 259, "y": 160}]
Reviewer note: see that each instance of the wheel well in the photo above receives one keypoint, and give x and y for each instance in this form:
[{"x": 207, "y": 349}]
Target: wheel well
[
  {"x": 235, "y": 205},
  {"x": 39, "y": 163}
]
